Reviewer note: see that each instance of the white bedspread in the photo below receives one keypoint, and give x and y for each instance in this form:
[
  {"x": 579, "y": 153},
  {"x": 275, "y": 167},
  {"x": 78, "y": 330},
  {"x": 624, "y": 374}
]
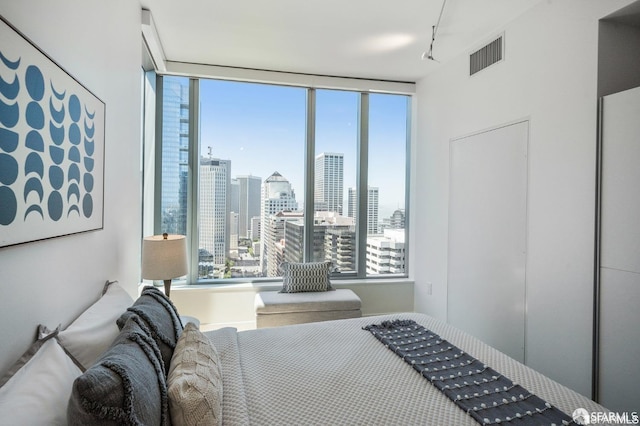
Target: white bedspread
[{"x": 335, "y": 373}]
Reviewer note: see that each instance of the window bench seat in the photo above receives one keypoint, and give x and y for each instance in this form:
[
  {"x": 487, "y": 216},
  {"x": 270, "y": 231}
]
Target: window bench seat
[{"x": 275, "y": 309}]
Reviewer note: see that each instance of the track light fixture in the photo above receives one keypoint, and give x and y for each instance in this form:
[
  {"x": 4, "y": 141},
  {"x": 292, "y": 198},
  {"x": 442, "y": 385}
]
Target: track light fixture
[{"x": 434, "y": 30}]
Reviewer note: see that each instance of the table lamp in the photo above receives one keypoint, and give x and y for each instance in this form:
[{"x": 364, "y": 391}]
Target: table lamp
[{"x": 164, "y": 257}]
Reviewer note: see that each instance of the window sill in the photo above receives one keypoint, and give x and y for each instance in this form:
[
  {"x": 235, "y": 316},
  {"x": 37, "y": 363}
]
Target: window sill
[
  {"x": 277, "y": 285},
  {"x": 219, "y": 305}
]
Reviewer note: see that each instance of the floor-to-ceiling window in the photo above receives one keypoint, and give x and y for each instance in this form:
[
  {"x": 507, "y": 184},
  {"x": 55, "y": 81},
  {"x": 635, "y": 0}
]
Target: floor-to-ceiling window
[{"x": 261, "y": 174}]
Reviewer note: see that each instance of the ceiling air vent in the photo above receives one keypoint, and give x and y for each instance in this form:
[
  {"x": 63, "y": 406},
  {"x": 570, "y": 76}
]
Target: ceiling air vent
[{"x": 487, "y": 55}]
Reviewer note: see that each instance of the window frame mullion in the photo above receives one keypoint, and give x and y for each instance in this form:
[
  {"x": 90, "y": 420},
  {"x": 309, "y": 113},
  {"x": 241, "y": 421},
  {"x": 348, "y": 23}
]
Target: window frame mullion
[
  {"x": 309, "y": 175},
  {"x": 362, "y": 184},
  {"x": 407, "y": 180},
  {"x": 193, "y": 212}
]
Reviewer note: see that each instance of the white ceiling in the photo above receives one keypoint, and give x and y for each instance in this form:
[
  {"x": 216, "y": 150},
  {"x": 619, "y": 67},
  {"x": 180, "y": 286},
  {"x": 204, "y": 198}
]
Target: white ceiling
[{"x": 372, "y": 39}]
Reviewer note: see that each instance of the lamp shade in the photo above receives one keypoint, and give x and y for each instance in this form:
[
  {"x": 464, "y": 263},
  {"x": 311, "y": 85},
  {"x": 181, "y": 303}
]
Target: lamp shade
[{"x": 164, "y": 258}]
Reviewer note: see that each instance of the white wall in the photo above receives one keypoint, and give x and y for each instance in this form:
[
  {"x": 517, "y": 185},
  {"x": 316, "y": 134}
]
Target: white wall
[
  {"x": 550, "y": 76},
  {"x": 52, "y": 281},
  {"x": 233, "y": 305}
]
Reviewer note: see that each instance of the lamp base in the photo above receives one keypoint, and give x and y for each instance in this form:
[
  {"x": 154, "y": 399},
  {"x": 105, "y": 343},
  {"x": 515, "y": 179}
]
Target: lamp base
[{"x": 167, "y": 287}]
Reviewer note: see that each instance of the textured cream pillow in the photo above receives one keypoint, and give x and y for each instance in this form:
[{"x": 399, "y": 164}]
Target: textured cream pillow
[{"x": 195, "y": 382}]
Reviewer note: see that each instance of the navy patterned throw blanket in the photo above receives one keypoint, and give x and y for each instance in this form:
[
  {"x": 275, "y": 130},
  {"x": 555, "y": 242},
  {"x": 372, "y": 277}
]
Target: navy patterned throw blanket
[{"x": 480, "y": 391}]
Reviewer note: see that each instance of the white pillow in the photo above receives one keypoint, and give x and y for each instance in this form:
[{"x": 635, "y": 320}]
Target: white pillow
[
  {"x": 37, "y": 392},
  {"x": 95, "y": 329}
]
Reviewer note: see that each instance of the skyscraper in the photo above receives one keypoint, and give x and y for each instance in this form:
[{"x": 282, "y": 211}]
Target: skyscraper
[
  {"x": 372, "y": 208},
  {"x": 277, "y": 196},
  {"x": 235, "y": 196},
  {"x": 215, "y": 183},
  {"x": 248, "y": 202},
  {"x": 273, "y": 241},
  {"x": 329, "y": 173},
  {"x": 175, "y": 146},
  {"x": 234, "y": 208}
]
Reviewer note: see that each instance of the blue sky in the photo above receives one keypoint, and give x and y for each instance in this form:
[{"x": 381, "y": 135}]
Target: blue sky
[{"x": 261, "y": 129}]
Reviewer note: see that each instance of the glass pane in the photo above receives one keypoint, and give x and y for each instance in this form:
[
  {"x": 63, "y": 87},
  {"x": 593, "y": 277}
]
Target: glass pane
[
  {"x": 335, "y": 166},
  {"x": 387, "y": 184},
  {"x": 175, "y": 148},
  {"x": 252, "y": 141}
]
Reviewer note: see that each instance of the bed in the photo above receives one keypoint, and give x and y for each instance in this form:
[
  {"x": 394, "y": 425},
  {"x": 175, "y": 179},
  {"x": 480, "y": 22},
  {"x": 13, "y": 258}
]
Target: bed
[
  {"x": 151, "y": 370},
  {"x": 335, "y": 372}
]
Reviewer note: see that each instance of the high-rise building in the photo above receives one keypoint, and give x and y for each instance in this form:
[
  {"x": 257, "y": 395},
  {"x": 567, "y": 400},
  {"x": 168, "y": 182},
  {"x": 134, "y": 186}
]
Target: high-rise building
[
  {"x": 294, "y": 236},
  {"x": 397, "y": 219},
  {"x": 234, "y": 197},
  {"x": 248, "y": 203},
  {"x": 273, "y": 241},
  {"x": 339, "y": 247},
  {"x": 233, "y": 231},
  {"x": 329, "y": 174},
  {"x": 372, "y": 208},
  {"x": 333, "y": 240},
  {"x": 255, "y": 228},
  {"x": 277, "y": 196},
  {"x": 215, "y": 182},
  {"x": 386, "y": 253},
  {"x": 175, "y": 146},
  {"x": 352, "y": 202},
  {"x": 234, "y": 208},
  {"x": 338, "y": 240}
]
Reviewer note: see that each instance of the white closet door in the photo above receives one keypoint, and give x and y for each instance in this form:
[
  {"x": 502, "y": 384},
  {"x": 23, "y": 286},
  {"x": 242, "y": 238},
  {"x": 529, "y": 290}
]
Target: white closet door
[
  {"x": 619, "y": 371},
  {"x": 487, "y": 236}
]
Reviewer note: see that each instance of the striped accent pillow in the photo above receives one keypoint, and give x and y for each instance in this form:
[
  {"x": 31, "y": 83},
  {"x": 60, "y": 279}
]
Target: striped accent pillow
[{"x": 311, "y": 276}]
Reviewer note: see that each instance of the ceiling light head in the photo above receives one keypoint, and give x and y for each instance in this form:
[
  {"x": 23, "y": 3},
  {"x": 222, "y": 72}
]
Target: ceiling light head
[{"x": 428, "y": 55}]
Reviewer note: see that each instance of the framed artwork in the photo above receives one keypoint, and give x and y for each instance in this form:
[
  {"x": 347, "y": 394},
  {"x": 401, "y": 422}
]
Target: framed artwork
[{"x": 51, "y": 146}]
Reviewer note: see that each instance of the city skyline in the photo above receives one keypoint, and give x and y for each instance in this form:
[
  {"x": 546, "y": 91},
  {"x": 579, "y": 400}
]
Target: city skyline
[
  {"x": 261, "y": 128},
  {"x": 238, "y": 207}
]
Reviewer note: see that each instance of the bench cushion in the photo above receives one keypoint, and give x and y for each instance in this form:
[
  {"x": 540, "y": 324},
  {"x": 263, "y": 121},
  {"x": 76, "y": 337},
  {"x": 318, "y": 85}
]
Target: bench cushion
[
  {"x": 273, "y": 302},
  {"x": 275, "y": 309},
  {"x": 291, "y": 318}
]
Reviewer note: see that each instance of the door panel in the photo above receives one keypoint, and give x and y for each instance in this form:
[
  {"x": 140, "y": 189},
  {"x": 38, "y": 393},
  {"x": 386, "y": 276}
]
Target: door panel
[
  {"x": 487, "y": 236},
  {"x": 619, "y": 346}
]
